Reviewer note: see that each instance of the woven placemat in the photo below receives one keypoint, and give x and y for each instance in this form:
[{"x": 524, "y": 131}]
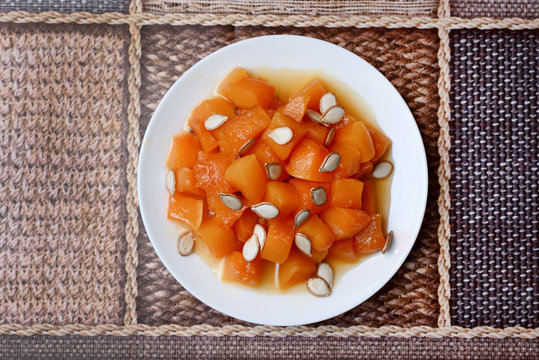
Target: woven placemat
[
  {"x": 494, "y": 184},
  {"x": 405, "y": 57},
  {"x": 62, "y": 179},
  {"x": 66, "y": 6},
  {"x": 495, "y": 8}
]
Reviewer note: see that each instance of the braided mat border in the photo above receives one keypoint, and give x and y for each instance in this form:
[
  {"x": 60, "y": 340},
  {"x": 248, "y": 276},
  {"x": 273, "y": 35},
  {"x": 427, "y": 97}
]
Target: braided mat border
[{"x": 135, "y": 19}]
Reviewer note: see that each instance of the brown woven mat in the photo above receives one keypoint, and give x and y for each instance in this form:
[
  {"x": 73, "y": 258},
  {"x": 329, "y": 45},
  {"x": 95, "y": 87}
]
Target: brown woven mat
[
  {"x": 495, "y": 8},
  {"x": 408, "y": 59},
  {"x": 494, "y": 211},
  {"x": 66, "y": 6},
  {"x": 62, "y": 178}
]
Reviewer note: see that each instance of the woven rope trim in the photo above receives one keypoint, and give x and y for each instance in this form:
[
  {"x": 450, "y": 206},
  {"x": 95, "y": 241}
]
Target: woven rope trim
[
  {"x": 444, "y": 200},
  {"x": 270, "y": 20},
  {"x": 245, "y": 331}
]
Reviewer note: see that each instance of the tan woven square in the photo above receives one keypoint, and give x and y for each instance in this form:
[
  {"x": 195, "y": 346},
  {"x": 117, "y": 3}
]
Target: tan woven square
[
  {"x": 294, "y": 7},
  {"x": 408, "y": 59},
  {"x": 62, "y": 182}
]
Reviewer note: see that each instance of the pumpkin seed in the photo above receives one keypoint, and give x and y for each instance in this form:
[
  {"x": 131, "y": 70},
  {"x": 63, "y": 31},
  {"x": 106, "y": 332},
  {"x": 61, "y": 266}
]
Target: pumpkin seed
[
  {"x": 231, "y": 201},
  {"x": 330, "y": 136},
  {"x": 265, "y": 210},
  {"x": 327, "y": 101},
  {"x": 186, "y": 243},
  {"x": 318, "y": 287},
  {"x": 171, "y": 182},
  {"x": 389, "y": 237},
  {"x": 325, "y": 272},
  {"x": 333, "y": 115},
  {"x": 303, "y": 243},
  {"x": 214, "y": 121},
  {"x": 281, "y": 135},
  {"x": 331, "y": 162},
  {"x": 315, "y": 116},
  {"x": 301, "y": 217},
  {"x": 382, "y": 170},
  {"x": 274, "y": 170},
  {"x": 260, "y": 233},
  {"x": 319, "y": 196},
  {"x": 245, "y": 147},
  {"x": 251, "y": 248}
]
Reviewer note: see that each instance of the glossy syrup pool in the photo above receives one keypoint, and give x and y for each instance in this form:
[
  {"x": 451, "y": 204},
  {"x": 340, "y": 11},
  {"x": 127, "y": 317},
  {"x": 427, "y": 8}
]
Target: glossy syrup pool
[{"x": 286, "y": 83}]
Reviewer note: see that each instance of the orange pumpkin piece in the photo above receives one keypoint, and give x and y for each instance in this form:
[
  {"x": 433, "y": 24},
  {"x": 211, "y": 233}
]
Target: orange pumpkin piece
[
  {"x": 210, "y": 172},
  {"x": 343, "y": 251},
  {"x": 304, "y": 187},
  {"x": 183, "y": 151},
  {"x": 365, "y": 170},
  {"x": 318, "y": 256},
  {"x": 315, "y": 90},
  {"x": 345, "y": 223},
  {"x": 281, "y": 120},
  {"x": 356, "y": 134},
  {"x": 295, "y": 270},
  {"x": 236, "y": 268},
  {"x": 247, "y": 176},
  {"x": 346, "y": 193},
  {"x": 371, "y": 239},
  {"x": 305, "y": 162},
  {"x": 198, "y": 116},
  {"x": 282, "y": 195},
  {"x": 381, "y": 143},
  {"x": 219, "y": 238},
  {"x": 368, "y": 198},
  {"x": 315, "y": 131},
  {"x": 186, "y": 182},
  {"x": 244, "y": 226},
  {"x": 264, "y": 155},
  {"x": 318, "y": 232},
  {"x": 223, "y": 213},
  {"x": 350, "y": 159},
  {"x": 274, "y": 106},
  {"x": 247, "y": 93},
  {"x": 233, "y": 76},
  {"x": 296, "y": 106},
  {"x": 247, "y": 125},
  {"x": 186, "y": 209},
  {"x": 279, "y": 239}
]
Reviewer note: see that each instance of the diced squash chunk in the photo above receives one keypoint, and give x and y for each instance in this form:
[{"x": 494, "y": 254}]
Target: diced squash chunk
[
  {"x": 356, "y": 134},
  {"x": 183, "y": 151},
  {"x": 247, "y": 93},
  {"x": 368, "y": 198},
  {"x": 186, "y": 209},
  {"x": 200, "y": 114},
  {"x": 345, "y": 223},
  {"x": 305, "y": 162},
  {"x": 210, "y": 172},
  {"x": 244, "y": 226},
  {"x": 365, "y": 170},
  {"x": 304, "y": 187},
  {"x": 282, "y": 195},
  {"x": 233, "y": 76},
  {"x": 350, "y": 159},
  {"x": 381, "y": 143},
  {"x": 295, "y": 108},
  {"x": 318, "y": 256},
  {"x": 247, "y": 176},
  {"x": 281, "y": 120},
  {"x": 279, "y": 239},
  {"x": 318, "y": 232},
  {"x": 343, "y": 251},
  {"x": 295, "y": 270},
  {"x": 346, "y": 193},
  {"x": 315, "y": 90},
  {"x": 371, "y": 239},
  {"x": 186, "y": 182},
  {"x": 236, "y": 268},
  {"x": 222, "y": 212},
  {"x": 315, "y": 132},
  {"x": 219, "y": 238}
]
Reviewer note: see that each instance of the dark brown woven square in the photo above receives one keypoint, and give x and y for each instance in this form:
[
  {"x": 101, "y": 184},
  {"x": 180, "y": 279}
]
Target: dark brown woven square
[
  {"x": 408, "y": 59},
  {"x": 495, "y": 8},
  {"x": 66, "y": 6},
  {"x": 63, "y": 127},
  {"x": 494, "y": 175}
]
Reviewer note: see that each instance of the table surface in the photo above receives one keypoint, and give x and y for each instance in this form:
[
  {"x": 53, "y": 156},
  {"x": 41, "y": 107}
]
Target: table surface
[{"x": 79, "y": 82}]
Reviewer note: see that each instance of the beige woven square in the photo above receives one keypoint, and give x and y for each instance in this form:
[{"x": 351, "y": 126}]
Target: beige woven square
[
  {"x": 62, "y": 180},
  {"x": 408, "y": 59}
]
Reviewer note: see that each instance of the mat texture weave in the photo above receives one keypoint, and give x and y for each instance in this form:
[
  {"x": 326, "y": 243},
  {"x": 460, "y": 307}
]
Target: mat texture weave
[
  {"x": 405, "y": 57},
  {"x": 66, "y": 6},
  {"x": 494, "y": 183},
  {"x": 62, "y": 179},
  {"x": 495, "y": 8}
]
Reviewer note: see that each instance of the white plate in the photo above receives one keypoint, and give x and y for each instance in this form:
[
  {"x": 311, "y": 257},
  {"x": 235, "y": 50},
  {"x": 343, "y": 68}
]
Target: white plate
[{"x": 408, "y": 190}]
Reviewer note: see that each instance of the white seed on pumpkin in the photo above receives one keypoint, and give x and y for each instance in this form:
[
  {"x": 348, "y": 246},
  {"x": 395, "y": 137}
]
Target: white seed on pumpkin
[
  {"x": 301, "y": 217},
  {"x": 260, "y": 233},
  {"x": 265, "y": 210},
  {"x": 333, "y": 115},
  {"x": 318, "y": 287},
  {"x": 319, "y": 196},
  {"x": 171, "y": 182},
  {"x": 325, "y": 272},
  {"x": 274, "y": 170},
  {"x": 331, "y": 162},
  {"x": 327, "y": 101},
  {"x": 329, "y": 137},
  {"x": 281, "y": 135},
  {"x": 214, "y": 121},
  {"x": 231, "y": 201},
  {"x": 315, "y": 116},
  {"x": 389, "y": 237},
  {"x": 251, "y": 248},
  {"x": 303, "y": 243},
  {"x": 382, "y": 170},
  {"x": 186, "y": 243},
  {"x": 245, "y": 147}
]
